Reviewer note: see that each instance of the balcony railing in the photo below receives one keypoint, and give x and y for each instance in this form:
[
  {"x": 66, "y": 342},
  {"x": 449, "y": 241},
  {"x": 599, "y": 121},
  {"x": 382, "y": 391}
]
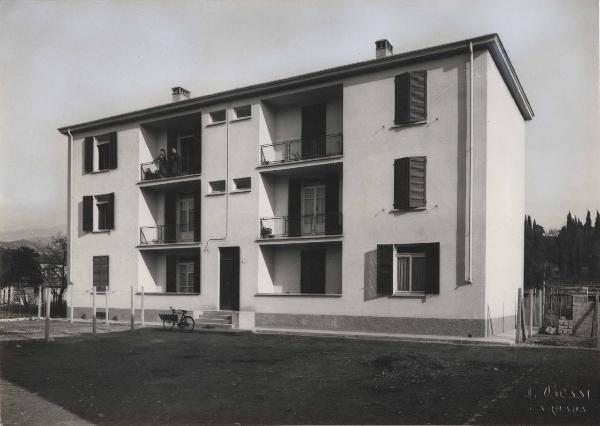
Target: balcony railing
[
  {"x": 155, "y": 170},
  {"x": 298, "y": 226},
  {"x": 168, "y": 234},
  {"x": 301, "y": 149}
]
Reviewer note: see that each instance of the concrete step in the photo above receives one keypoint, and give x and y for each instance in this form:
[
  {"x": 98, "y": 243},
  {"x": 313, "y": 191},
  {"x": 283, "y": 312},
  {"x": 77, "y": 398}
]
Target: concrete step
[
  {"x": 215, "y": 320},
  {"x": 209, "y": 325},
  {"x": 217, "y": 313}
]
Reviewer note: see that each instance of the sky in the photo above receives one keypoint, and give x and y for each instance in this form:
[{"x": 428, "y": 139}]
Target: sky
[{"x": 68, "y": 62}]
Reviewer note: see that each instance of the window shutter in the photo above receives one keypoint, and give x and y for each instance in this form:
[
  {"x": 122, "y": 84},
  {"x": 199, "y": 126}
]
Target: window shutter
[
  {"x": 416, "y": 182},
  {"x": 196, "y": 273},
  {"x": 385, "y": 257},
  {"x": 418, "y": 96},
  {"x": 294, "y": 207},
  {"x": 171, "y": 274},
  {"x": 112, "y": 151},
  {"x": 196, "y": 152},
  {"x": 401, "y": 179},
  {"x": 100, "y": 272},
  {"x": 410, "y": 97},
  {"x": 197, "y": 215},
  {"x": 432, "y": 260},
  {"x": 110, "y": 212},
  {"x": 88, "y": 155},
  {"x": 170, "y": 231},
  {"x": 332, "y": 205},
  {"x": 402, "y": 98},
  {"x": 88, "y": 213}
]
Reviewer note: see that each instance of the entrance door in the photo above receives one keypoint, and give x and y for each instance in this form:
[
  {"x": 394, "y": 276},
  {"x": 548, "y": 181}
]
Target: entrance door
[
  {"x": 312, "y": 271},
  {"x": 313, "y": 209},
  {"x": 313, "y": 130},
  {"x": 230, "y": 278},
  {"x": 186, "y": 214}
]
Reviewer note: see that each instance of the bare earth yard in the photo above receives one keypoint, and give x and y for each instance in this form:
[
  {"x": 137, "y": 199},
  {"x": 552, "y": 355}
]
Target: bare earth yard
[{"x": 150, "y": 376}]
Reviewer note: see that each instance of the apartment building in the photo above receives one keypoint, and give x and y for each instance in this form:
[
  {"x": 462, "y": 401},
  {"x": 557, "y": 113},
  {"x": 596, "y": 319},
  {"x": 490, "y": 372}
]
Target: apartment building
[{"x": 380, "y": 196}]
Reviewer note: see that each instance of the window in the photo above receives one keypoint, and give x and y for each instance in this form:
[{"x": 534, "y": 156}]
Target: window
[
  {"x": 410, "y": 97},
  {"x": 217, "y": 186},
  {"x": 100, "y": 272},
  {"x": 410, "y": 272},
  {"x": 218, "y": 116},
  {"x": 242, "y": 112},
  {"x": 98, "y": 212},
  {"x": 242, "y": 184},
  {"x": 100, "y": 153},
  {"x": 185, "y": 277},
  {"x": 408, "y": 268},
  {"x": 409, "y": 182}
]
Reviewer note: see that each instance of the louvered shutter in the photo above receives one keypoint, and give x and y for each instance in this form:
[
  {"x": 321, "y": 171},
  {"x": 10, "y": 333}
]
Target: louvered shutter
[
  {"x": 88, "y": 155},
  {"x": 171, "y": 274},
  {"x": 401, "y": 179},
  {"x": 196, "y": 152},
  {"x": 432, "y": 261},
  {"x": 332, "y": 205},
  {"x": 416, "y": 182},
  {"x": 100, "y": 272},
  {"x": 110, "y": 211},
  {"x": 197, "y": 215},
  {"x": 385, "y": 258},
  {"x": 410, "y": 94},
  {"x": 112, "y": 151},
  {"x": 196, "y": 273},
  {"x": 170, "y": 232},
  {"x": 294, "y": 207},
  {"x": 87, "y": 213}
]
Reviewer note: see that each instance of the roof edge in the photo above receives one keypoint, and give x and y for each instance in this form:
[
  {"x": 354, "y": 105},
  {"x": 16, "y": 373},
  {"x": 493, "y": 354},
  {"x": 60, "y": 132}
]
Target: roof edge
[{"x": 490, "y": 42}]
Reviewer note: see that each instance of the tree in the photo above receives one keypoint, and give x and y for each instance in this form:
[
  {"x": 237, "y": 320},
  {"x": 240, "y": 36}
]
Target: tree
[{"x": 54, "y": 265}]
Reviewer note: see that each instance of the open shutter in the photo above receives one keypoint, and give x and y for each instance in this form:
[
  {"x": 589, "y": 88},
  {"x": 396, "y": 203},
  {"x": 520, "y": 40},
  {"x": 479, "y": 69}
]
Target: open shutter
[
  {"x": 170, "y": 231},
  {"x": 294, "y": 207},
  {"x": 332, "y": 205},
  {"x": 197, "y": 215},
  {"x": 401, "y": 179},
  {"x": 196, "y": 153},
  {"x": 197, "y": 273},
  {"x": 385, "y": 258},
  {"x": 88, "y": 213},
  {"x": 171, "y": 274},
  {"x": 112, "y": 151},
  {"x": 410, "y": 97},
  {"x": 88, "y": 155},
  {"x": 432, "y": 260},
  {"x": 110, "y": 212},
  {"x": 416, "y": 182}
]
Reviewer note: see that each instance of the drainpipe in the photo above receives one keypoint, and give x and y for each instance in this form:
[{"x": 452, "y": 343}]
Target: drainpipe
[
  {"x": 469, "y": 272},
  {"x": 69, "y": 168},
  {"x": 226, "y": 182}
]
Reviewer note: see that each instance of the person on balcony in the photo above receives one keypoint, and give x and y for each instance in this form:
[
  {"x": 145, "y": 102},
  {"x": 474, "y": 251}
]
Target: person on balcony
[
  {"x": 173, "y": 162},
  {"x": 161, "y": 162}
]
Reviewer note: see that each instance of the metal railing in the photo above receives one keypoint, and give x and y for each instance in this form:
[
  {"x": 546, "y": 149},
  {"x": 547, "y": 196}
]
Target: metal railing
[
  {"x": 295, "y": 226},
  {"x": 302, "y": 149},
  {"x": 155, "y": 170},
  {"x": 168, "y": 234}
]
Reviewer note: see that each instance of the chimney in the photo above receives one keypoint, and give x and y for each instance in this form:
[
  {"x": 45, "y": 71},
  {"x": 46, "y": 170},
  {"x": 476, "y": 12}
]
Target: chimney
[
  {"x": 383, "y": 48},
  {"x": 179, "y": 94}
]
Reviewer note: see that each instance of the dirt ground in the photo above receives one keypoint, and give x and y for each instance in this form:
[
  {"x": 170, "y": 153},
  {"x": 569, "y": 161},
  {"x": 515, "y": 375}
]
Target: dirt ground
[{"x": 150, "y": 376}]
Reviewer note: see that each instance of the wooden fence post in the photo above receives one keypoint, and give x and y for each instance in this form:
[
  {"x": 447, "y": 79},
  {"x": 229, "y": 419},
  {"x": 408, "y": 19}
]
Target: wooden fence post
[
  {"x": 518, "y": 328},
  {"x": 40, "y": 302},
  {"x": 71, "y": 309},
  {"x": 597, "y": 320},
  {"x": 94, "y": 309},
  {"x": 47, "y": 331},
  {"x": 522, "y": 309},
  {"x": 106, "y": 307},
  {"x": 530, "y": 313},
  {"x": 541, "y": 308},
  {"x": 142, "y": 306},
  {"x": 132, "y": 309}
]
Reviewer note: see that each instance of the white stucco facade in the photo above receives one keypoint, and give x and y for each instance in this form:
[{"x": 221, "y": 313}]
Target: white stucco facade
[{"x": 483, "y": 208}]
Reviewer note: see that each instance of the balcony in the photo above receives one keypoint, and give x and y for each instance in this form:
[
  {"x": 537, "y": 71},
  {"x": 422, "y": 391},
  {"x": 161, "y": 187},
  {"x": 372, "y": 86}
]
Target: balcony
[
  {"x": 323, "y": 147},
  {"x": 325, "y": 224},
  {"x": 159, "y": 170},
  {"x": 160, "y": 235}
]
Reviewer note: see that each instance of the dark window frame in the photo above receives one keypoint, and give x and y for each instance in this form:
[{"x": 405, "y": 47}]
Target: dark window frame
[{"x": 101, "y": 273}]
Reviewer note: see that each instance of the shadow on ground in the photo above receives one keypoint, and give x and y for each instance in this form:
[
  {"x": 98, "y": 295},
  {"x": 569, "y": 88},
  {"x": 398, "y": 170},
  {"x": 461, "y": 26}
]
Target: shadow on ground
[{"x": 150, "y": 376}]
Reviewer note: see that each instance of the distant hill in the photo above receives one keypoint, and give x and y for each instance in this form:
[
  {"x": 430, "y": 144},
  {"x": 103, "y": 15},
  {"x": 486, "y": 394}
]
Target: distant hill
[
  {"x": 34, "y": 235},
  {"x": 37, "y": 244}
]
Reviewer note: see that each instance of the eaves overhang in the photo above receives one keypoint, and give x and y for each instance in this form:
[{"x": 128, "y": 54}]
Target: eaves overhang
[{"x": 491, "y": 42}]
